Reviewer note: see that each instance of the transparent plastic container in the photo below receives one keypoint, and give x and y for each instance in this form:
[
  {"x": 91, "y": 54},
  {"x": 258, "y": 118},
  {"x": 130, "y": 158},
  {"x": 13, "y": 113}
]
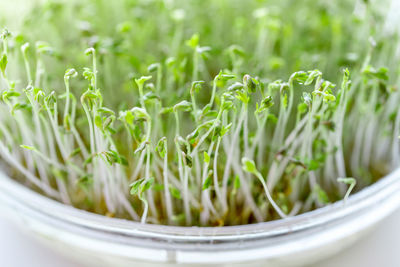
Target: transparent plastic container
[{"x": 96, "y": 240}]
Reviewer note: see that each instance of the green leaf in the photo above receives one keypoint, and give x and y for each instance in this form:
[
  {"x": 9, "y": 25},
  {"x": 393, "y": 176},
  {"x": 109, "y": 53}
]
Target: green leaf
[
  {"x": 236, "y": 183},
  {"x": 250, "y": 83},
  {"x": 88, "y": 74},
  {"x": 182, "y": 143},
  {"x": 113, "y": 157},
  {"x": 329, "y": 98},
  {"x": 141, "y": 147},
  {"x": 20, "y": 106},
  {"x": 236, "y": 86},
  {"x": 222, "y": 78},
  {"x": 123, "y": 160},
  {"x": 206, "y": 111},
  {"x": 98, "y": 121},
  {"x": 300, "y": 77},
  {"x": 105, "y": 110},
  {"x": 170, "y": 61},
  {"x": 267, "y": 102},
  {"x": 44, "y": 48},
  {"x": 276, "y": 63},
  {"x": 208, "y": 181},
  {"x": 196, "y": 86},
  {"x": 225, "y": 129},
  {"x": 70, "y": 73},
  {"x": 272, "y": 118},
  {"x": 380, "y": 73},
  {"x": 192, "y": 137},
  {"x": 3, "y": 63},
  {"x": 248, "y": 165},
  {"x": 7, "y": 95},
  {"x": 124, "y": 27},
  {"x": 107, "y": 122},
  {"x": 161, "y": 147},
  {"x": 285, "y": 101},
  {"x": 193, "y": 42},
  {"x": 89, "y": 160},
  {"x": 175, "y": 192},
  {"x": 135, "y": 187},
  {"x": 142, "y": 80},
  {"x": 28, "y": 147},
  {"x": 346, "y": 79},
  {"x": 348, "y": 180},
  {"x": 66, "y": 122},
  {"x": 275, "y": 86},
  {"x": 5, "y": 34},
  {"x": 183, "y": 105},
  {"x": 129, "y": 118},
  {"x": 140, "y": 113},
  {"x": 242, "y": 96},
  {"x": 90, "y": 51},
  {"x": 158, "y": 187},
  {"x": 153, "y": 67},
  {"x": 38, "y": 93},
  {"x": 312, "y": 75},
  {"x": 188, "y": 160},
  {"x": 147, "y": 184},
  {"x": 351, "y": 182},
  {"x": 227, "y": 105},
  {"x": 150, "y": 96},
  {"x": 313, "y": 165},
  {"x": 302, "y": 108},
  {"x": 206, "y": 158},
  {"x": 166, "y": 110},
  {"x": 75, "y": 152},
  {"x": 90, "y": 95},
  {"x": 237, "y": 50}
]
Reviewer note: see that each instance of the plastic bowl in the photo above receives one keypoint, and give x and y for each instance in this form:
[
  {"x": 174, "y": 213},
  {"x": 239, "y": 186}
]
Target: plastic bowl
[{"x": 100, "y": 241}]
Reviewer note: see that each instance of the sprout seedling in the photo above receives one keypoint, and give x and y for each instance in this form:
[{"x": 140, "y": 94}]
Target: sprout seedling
[
  {"x": 351, "y": 182},
  {"x": 199, "y": 117}
]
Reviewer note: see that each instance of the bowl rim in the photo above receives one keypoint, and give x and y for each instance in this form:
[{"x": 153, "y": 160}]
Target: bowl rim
[{"x": 357, "y": 202}]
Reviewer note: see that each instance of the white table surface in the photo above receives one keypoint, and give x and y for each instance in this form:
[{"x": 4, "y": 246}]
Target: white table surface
[{"x": 380, "y": 248}]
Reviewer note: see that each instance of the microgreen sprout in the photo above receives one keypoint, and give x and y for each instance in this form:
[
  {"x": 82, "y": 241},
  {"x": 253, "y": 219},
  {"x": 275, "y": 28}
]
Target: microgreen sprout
[
  {"x": 200, "y": 118},
  {"x": 349, "y": 181},
  {"x": 249, "y": 166}
]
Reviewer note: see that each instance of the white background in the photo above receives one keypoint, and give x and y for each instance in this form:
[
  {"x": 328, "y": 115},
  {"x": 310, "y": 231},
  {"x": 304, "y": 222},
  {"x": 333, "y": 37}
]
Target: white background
[{"x": 381, "y": 248}]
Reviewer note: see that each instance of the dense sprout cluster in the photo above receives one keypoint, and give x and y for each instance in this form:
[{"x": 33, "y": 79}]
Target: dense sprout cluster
[{"x": 200, "y": 112}]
